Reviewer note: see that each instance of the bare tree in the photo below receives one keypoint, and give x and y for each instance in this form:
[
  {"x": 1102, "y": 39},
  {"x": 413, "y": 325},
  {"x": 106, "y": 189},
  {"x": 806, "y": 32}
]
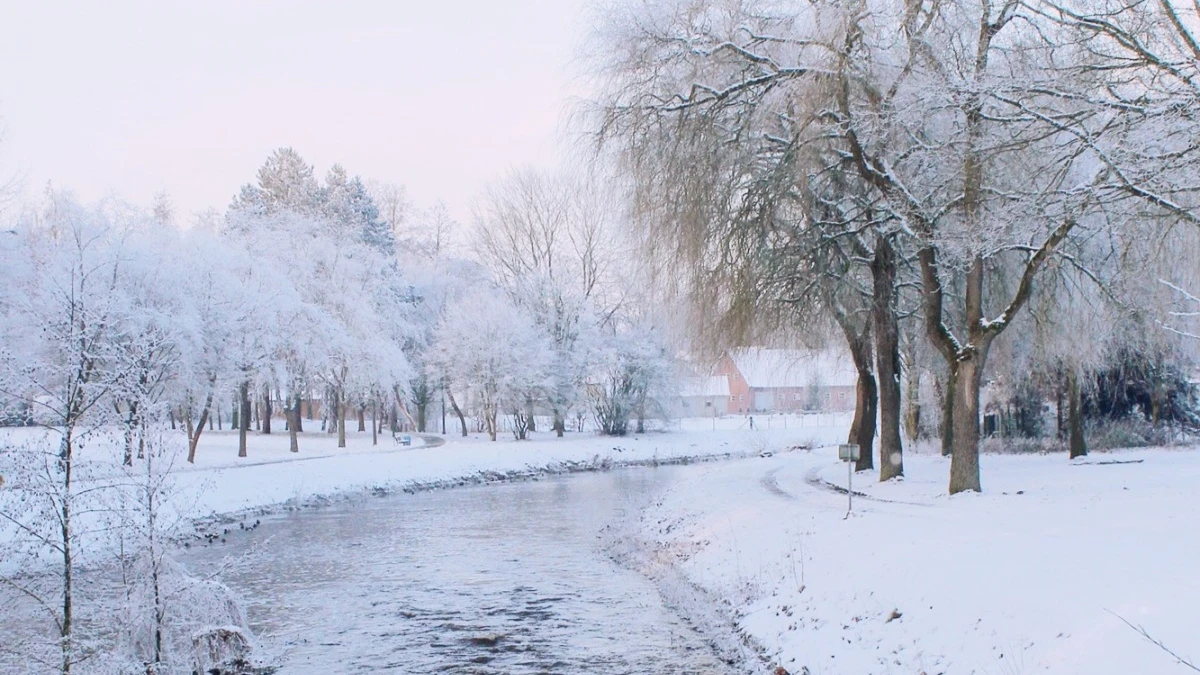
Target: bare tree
[
  {"x": 551, "y": 244},
  {"x": 64, "y": 373}
]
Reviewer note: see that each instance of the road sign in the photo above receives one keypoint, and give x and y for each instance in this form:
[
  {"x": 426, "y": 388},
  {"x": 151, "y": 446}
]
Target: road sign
[{"x": 849, "y": 453}]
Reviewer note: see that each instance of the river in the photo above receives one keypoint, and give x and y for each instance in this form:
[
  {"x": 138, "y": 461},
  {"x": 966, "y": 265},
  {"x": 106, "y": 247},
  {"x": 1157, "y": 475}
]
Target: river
[{"x": 497, "y": 579}]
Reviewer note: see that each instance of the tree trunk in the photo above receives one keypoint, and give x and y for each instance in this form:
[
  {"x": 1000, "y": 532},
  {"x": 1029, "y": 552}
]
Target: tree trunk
[
  {"x": 560, "y": 425},
  {"x": 66, "y": 627},
  {"x": 489, "y": 420},
  {"x": 964, "y": 461},
  {"x": 532, "y": 423},
  {"x": 296, "y": 403},
  {"x": 887, "y": 359},
  {"x": 862, "y": 429},
  {"x": 421, "y": 407},
  {"x": 1078, "y": 444},
  {"x": 127, "y": 460},
  {"x": 374, "y": 426},
  {"x": 462, "y": 420},
  {"x": 912, "y": 415},
  {"x": 267, "y": 412},
  {"x": 294, "y": 425},
  {"x": 341, "y": 415},
  {"x": 244, "y": 427},
  {"x": 330, "y": 413},
  {"x": 194, "y": 439},
  {"x": 948, "y": 411},
  {"x": 1060, "y": 404}
]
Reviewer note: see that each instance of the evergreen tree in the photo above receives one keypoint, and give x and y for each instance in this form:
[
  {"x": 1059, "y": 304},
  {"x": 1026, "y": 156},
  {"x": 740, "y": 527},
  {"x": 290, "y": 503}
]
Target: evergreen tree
[
  {"x": 348, "y": 204},
  {"x": 285, "y": 182}
]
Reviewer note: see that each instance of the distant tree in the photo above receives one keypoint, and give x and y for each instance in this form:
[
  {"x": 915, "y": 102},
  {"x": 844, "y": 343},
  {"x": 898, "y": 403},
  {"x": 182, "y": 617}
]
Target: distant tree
[
  {"x": 285, "y": 182},
  {"x": 348, "y": 204},
  {"x": 551, "y": 243},
  {"x": 489, "y": 349},
  {"x": 395, "y": 209}
]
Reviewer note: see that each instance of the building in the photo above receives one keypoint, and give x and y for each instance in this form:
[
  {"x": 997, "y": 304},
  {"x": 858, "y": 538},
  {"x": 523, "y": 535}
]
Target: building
[
  {"x": 789, "y": 380},
  {"x": 703, "y": 396}
]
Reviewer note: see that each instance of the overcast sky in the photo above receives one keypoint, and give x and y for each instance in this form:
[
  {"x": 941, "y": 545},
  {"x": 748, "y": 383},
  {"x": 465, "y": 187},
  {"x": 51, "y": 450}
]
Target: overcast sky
[{"x": 132, "y": 98}]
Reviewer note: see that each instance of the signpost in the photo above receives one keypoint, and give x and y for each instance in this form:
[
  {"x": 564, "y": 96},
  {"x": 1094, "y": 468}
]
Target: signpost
[{"x": 848, "y": 453}]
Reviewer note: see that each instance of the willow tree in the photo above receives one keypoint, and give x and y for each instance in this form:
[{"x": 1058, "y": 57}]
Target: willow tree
[
  {"x": 969, "y": 121},
  {"x": 723, "y": 112}
]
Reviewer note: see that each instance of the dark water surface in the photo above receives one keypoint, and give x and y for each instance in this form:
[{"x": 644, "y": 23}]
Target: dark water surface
[{"x": 493, "y": 579}]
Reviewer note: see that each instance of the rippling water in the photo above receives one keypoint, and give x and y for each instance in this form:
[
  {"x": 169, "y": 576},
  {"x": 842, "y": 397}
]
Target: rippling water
[{"x": 494, "y": 579}]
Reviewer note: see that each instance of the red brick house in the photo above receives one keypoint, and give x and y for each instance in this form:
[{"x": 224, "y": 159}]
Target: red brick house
[{"x": 789, "y": 380}]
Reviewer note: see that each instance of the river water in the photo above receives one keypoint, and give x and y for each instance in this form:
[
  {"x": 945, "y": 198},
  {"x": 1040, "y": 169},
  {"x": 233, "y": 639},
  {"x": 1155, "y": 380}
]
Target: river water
[{"x": 503, "y": 579}]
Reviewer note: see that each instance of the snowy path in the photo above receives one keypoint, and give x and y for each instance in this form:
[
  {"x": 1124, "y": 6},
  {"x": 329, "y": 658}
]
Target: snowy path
[{"x": 1025, "y": 578}]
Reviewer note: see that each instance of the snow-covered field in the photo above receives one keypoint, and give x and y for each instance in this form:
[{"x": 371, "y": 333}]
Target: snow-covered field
[{"x": 1033, "y": 576}]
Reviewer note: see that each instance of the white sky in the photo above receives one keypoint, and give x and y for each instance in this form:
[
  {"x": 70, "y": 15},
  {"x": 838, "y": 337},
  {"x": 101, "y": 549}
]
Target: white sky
[{"x": 189, "y": 96}]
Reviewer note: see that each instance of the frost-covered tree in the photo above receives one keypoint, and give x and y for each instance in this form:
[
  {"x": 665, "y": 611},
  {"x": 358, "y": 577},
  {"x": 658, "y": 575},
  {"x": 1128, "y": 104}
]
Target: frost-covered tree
[
  {"x": 162, "y": 607},
  {"x": 971, "y": 125},
  {"x": 551, "y": 243},
  {"x": 751, "y": 209},
  {"x": 488, "y": 350},
  {"x": 347, "y": 203},
  {"x": 285, "y": 182},
  {"x": 59, "y": 357},
  {"x": 630, "y": 370}
]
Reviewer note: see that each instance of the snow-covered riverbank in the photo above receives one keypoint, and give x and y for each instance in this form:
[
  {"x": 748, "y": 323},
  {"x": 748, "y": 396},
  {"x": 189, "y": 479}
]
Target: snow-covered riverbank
[
  {"x": 272, "y": 478},
  {"x": 1035, "y": 575}
]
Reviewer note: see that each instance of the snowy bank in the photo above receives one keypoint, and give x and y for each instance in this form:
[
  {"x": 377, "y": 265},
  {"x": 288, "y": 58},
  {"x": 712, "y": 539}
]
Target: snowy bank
[
  {"x": 1035, "y": 575},
  {"x": 272, "y": 478}
]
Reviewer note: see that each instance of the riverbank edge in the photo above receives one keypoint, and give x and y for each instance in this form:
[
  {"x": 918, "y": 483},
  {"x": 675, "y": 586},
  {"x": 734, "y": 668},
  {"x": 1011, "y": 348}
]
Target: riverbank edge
[
  {"x": 710, "y": 616},
  {"x": 209, "y": 523}
]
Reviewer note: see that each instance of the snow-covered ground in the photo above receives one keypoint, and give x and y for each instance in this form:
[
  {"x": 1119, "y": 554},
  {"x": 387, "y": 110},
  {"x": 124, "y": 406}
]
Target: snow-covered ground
[
  {"x": 270, "y": 477},
  {"x": 1035, "y": 575},
  {"x": 1032, "y": 576}
]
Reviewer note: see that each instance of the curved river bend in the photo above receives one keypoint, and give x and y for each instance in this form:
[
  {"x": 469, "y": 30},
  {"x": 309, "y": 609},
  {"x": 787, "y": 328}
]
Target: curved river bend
[{"x": 498, "y": 579}]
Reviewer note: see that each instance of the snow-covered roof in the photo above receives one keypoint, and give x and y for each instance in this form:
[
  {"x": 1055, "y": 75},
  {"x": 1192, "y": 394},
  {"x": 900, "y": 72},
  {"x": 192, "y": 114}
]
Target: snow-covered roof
[
  {"x": 769, "y": 368},
  {"x": 716, "y": 385}
]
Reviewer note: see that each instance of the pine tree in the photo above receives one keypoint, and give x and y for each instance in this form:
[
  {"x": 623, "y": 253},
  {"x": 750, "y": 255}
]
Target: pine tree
[
  {"x": 348, "y": 204},
  {"x": 285, "y": 182}
]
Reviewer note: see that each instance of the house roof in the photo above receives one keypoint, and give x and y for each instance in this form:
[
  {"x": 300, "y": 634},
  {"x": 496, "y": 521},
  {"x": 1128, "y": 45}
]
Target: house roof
[
  {"x": 773, "y": 368},
  {"x": 716, "y": 385}
]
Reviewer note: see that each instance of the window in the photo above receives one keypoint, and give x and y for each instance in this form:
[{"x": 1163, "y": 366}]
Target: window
[
  {"x": 732, "y": 397},
  {"x": 842, "y": 395},
  {"x": 741, "y": 397},
  {"x": 708, "y": 404},
  {"x": 795, "y": 397}
]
